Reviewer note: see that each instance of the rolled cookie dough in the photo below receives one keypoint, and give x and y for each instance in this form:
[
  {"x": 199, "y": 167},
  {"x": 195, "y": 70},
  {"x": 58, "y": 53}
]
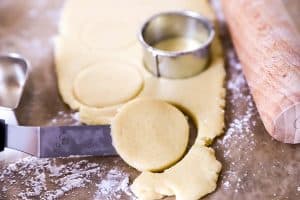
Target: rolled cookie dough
[
  {"x": 89, "y": 34},
  {"x": 190, "y": 179},
  {"x": 201, "y": 96},
  {"x": 150, "y": 135},
  {"x": 105, "y": 84}
]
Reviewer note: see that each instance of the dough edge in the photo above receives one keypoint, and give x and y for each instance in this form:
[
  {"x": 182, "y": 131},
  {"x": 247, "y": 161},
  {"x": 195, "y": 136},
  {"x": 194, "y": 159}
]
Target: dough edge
[{"x": 200, "y": 180}]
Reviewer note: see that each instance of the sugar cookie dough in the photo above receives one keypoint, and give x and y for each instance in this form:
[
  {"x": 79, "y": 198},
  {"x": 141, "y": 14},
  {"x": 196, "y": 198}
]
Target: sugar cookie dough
[
  {"x": 201, "y": 96},
  {"x": 104, "y": 84},
  {"x": 81, "y": 20},
  {"x": 191, "y": 178},
  {"x": 178, "y": 44},
  {"x": 149, "y": 134}
]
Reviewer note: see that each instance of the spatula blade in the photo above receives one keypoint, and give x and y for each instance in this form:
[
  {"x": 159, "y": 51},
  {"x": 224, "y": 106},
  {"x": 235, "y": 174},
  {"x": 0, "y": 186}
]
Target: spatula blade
[{"x": 66, "y": 141}]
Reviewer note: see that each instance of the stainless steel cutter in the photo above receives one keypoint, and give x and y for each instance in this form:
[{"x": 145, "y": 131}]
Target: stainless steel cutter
[{"x": 176, "y": 64}]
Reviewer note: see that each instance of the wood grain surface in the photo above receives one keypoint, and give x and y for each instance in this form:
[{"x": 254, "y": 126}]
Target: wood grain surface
[
  {"x": 254, "y": 165},
  {"x": 267, "y": 40}
]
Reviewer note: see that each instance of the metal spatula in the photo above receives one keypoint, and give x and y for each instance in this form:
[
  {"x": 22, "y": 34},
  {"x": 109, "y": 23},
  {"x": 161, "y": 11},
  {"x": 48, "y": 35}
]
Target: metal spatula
[{"x": 42, "y": 141}]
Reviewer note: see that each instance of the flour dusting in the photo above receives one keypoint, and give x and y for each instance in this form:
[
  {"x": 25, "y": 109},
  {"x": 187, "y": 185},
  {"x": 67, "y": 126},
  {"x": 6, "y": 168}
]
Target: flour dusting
[
  {"x": 243, "y": 114},
  {"x": 113, "y": 186},
  {"x": 49, "y": 179},
  {"x": 62, "y": 118}
]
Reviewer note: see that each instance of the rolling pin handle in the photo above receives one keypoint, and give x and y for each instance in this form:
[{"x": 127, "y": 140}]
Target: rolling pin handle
[{"x": 287, "y": 125}]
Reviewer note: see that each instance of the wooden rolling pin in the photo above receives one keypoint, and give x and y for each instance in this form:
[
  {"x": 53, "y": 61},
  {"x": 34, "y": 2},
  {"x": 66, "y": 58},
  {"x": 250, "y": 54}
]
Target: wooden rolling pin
[{"x": 267, "y": 42}]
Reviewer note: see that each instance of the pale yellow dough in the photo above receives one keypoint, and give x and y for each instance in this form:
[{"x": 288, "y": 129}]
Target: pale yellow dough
[
  {"x": 201, "y": 96},
  {"x": 191, "y": 178},
  {"x": 90, "y": 85},
  {"x": 149, "y": 134},
  {"x": 178, "y": 44}
]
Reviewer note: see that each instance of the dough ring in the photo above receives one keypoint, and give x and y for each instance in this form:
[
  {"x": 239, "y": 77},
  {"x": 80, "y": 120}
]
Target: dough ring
[
  {"x": 102, "y": 85},
  {"x": 150, "y": 135}
]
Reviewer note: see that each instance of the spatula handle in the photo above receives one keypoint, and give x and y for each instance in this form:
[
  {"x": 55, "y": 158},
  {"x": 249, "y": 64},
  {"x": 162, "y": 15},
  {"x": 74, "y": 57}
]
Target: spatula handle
[{"x": 2, "y": 134}]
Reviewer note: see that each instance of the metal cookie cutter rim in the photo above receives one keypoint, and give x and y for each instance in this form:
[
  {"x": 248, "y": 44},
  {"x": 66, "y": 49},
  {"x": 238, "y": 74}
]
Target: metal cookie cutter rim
[{"x": 203, "y": 47}]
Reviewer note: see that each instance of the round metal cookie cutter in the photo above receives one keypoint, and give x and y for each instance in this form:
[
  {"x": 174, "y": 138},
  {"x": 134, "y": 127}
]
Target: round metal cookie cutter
[{"x": 167, "y": 25}]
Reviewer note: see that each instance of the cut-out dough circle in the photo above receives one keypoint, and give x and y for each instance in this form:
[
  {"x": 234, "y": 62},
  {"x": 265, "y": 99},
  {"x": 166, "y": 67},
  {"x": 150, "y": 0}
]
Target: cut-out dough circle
[
  {"x": 150, "y": 135},
  {"x": 107, "y": 84}
]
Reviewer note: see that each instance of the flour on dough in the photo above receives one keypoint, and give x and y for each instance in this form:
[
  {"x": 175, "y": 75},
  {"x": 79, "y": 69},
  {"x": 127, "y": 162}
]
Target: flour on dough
[{"x": 149, "y": 134}]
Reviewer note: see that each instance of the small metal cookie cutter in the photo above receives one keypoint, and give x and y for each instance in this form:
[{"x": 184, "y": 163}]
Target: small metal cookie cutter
[
  {"x": 176, "y": 64},
  {"x": 13, "y": 75}
]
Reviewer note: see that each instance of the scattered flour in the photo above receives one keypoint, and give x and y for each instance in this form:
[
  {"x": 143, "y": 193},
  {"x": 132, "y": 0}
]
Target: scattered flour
[
  {"x": 63, "y": 118},
  {"x": 48, "y": 179},
  {"x": 113, "y": 186},
  {"x": 242, "y": 119},
  {"x": 239, "y": 133}
]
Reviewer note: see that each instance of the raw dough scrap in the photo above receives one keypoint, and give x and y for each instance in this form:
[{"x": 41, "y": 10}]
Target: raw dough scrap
[
  {"x": 149, "y": 134},
  {"x": 201, "y": 96},
  {"x": 191, "y": 178},
  {"x": 90, "y": 85}
]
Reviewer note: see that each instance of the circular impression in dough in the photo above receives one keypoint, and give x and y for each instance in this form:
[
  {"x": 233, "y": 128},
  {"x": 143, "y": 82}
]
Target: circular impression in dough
[
  {"x": 150, "y": 135},
  {"x": 102, "y": 85}
]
